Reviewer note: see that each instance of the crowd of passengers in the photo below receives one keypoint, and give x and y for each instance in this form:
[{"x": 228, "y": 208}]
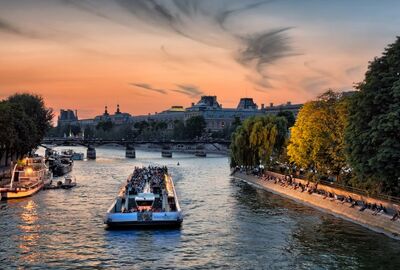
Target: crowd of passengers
[
  {"x": 289, "y": 182},
  {"x": 142, "y": 175}
]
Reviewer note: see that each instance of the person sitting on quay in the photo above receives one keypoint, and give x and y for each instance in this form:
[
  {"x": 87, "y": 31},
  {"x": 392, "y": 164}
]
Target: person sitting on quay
[{"x": 396, "y": 216}]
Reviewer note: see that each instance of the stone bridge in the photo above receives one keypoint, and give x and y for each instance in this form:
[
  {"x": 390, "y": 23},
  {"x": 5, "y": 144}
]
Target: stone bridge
[{"x": 166, "y": 145}]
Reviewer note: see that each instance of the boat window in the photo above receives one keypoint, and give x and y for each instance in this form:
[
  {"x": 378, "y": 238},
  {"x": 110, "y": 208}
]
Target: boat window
[{"x": 144, "y": 203}]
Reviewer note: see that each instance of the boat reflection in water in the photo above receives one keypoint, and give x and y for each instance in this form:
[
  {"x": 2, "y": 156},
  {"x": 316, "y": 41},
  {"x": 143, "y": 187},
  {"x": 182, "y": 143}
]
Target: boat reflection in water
[{"x": 148, "y": 199}]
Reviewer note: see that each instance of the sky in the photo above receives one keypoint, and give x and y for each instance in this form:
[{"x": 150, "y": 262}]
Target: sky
[{"x": 148, "y": 55}]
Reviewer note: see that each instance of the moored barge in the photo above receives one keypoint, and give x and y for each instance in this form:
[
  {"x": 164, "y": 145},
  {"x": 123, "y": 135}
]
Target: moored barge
[
  {"x": 147, "y": 199},
  {"x": 28, "y": 177}
]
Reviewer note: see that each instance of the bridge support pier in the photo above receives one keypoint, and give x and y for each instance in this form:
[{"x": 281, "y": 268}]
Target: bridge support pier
[
  {"x": 166, "y": 151},
  {"x": 91, "y": 153},
  {"x": 130, "y": 151}
]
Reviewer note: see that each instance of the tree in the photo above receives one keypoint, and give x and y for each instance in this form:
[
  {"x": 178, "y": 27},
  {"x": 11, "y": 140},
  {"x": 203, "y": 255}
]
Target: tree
[
  {"x": 18, "y": 132},
  {"x": 34, "y": 107},
  {"x": 372, "y": 136},
  {"x": 179, "y": 129},
  {"x": 289, "y": 117},
  {"x": 317, "y": 138},
  {"x": 88, "y": 132},
  {"x": 255, "y": 141},
  {"x": 105, "y": 125},
  {"x": 195, "y": 127}
]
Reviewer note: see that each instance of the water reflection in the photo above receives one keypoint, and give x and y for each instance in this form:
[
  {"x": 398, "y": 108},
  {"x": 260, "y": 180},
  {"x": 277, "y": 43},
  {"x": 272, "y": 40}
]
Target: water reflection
[
  {"x": 29, "y": 232},
  {"x": 227, "y": 224}
]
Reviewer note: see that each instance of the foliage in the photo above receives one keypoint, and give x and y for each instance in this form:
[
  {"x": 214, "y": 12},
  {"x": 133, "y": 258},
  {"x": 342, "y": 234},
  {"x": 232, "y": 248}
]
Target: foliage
[
  {"x": 195, "y": 127},
  {"x": 33, "y": 107},
  {"x": 179, "y": 130},
  {"x": 291, "y": 119},
  {"x": 257, "y": 140},
  {"x": 372, "y": 136},
  {"x": 317, "y": 138},
  {"x": 23, "y": 122},
  {"x": 105, "y": 125}
]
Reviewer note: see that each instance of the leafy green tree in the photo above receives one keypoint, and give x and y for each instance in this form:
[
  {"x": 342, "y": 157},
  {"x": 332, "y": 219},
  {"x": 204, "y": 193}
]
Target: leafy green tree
[
  {"x": 317, "y": 138},
  {"x": 255, "y": 141},
  {"x": 289, "y": 117},
  {"x": 105, "y": 125},
  {"x": 179, "y": 129},
  {"x": 195, "y": 127},
  {"x": 18, "y": 131},
  {"x": 89, "y": 132},
  {"x": 34, "y": 107},
  {"x": 372, "y": 136}
]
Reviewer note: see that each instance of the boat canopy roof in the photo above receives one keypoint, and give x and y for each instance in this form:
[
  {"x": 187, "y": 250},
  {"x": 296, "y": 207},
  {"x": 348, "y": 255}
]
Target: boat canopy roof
[{"x": 145, "y": 197}]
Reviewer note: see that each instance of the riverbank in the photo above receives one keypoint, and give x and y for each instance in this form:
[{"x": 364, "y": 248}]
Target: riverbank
[{"x": 380, "y": 222}]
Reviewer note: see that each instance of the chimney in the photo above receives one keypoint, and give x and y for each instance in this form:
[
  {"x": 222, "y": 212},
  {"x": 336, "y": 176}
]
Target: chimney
[
  {"x": 76, "y": 114},
  {"x": 271, "y": 104},
  {"x": 262, "y": 106},
  {"x": 192, "y": 104},
  {"x": 288, "y": 103}
]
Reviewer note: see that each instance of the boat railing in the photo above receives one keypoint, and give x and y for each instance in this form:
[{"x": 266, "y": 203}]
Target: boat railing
[{"x": 174, "y": 192}]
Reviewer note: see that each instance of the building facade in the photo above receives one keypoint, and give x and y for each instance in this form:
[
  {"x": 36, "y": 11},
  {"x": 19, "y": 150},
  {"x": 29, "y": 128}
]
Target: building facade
[{"x": 217, "y": 118}]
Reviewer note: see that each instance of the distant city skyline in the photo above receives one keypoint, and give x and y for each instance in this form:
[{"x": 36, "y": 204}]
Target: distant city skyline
[{"x": 149, "y": 55}]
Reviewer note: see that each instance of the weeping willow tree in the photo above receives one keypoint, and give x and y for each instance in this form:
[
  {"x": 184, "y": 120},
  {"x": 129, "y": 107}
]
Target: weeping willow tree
[{"x": 258, "y": 140}]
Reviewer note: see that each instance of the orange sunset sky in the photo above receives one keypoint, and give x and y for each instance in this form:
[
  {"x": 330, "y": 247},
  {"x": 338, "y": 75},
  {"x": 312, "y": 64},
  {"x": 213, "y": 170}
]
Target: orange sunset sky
[{"x": 148, "y": 55}]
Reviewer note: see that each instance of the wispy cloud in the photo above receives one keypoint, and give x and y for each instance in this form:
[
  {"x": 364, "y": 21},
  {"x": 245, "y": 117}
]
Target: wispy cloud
[
  {"x": 148, "y": 87},
  {"x": 185, "y": 89},
  {"x": 262, "y": 49},
  {"x": 188, "y": 90},
  {"x": 314, "y": 85},
  {"x": 10, "y": 28},
  {"x": 207, "y": 21}
]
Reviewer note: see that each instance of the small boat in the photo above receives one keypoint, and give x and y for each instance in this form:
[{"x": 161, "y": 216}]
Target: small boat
[
  {"x": 166, "y": 153},
  {"x": 200, "y": 153},
  {"x": 68, "y": 153},
  {"x": 78, "y": 156},
  {"x": 28, "y": 177},
  {"x": 60, "y": 165},
  {"x": 147, "y": 199},
  {"x": 69, "y": 182}
]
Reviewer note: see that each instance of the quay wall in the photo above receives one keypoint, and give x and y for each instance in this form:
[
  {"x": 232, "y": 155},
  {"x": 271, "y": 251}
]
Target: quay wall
[
  {"x": 380, "y": 223},
  {"x": 391, "y": 207}
]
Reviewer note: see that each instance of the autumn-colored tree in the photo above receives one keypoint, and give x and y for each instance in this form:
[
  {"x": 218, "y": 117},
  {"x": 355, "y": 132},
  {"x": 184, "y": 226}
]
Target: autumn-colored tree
[{"x": 317, "y": 138}]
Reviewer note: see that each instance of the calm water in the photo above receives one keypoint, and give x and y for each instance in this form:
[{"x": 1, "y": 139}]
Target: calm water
[{"x": 227, "y": 224}]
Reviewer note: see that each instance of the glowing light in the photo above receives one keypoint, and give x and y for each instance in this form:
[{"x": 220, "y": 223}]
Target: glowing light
[{"x": 28, "y": 171}]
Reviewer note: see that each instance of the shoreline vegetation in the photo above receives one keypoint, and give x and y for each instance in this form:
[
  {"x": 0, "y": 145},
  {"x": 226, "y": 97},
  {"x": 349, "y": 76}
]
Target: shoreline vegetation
[
  {"x": 348, "y": 139},
  {"x": 24, "y": 122}
]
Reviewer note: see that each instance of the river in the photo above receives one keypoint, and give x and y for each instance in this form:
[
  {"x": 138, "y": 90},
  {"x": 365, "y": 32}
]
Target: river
[{"x": 227, "y": 224}]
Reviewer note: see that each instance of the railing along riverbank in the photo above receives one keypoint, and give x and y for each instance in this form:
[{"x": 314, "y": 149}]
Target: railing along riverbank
[
  {"x": 378, "y": 215},
  {"x": 391, "y": 202}
]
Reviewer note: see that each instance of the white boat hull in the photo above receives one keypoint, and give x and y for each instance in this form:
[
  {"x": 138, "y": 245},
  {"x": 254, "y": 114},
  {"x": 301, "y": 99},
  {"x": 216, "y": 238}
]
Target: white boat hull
[{"x": 151, "y": 219}]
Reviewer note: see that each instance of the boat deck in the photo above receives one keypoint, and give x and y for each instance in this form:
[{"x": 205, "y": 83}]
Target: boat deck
[{"x": 147, "y": 198}]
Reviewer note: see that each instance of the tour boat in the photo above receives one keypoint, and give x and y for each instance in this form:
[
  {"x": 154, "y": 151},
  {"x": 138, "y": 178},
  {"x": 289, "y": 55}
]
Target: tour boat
[
  {"x": 146, "y": 201},
  {"x": 166, "y": 153},
  {"x": 71, "y": 154},
  {"x": 200, "y": 153},
  {"x": 28, "y": 177},
  {"x": 60, "y": 165}
]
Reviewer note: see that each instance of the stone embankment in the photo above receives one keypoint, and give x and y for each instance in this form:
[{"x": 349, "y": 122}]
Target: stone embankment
[{"x": 381, "y": 222}]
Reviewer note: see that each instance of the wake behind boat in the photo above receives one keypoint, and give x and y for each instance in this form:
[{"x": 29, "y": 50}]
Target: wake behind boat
[{"x": 147, "y": 199}]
